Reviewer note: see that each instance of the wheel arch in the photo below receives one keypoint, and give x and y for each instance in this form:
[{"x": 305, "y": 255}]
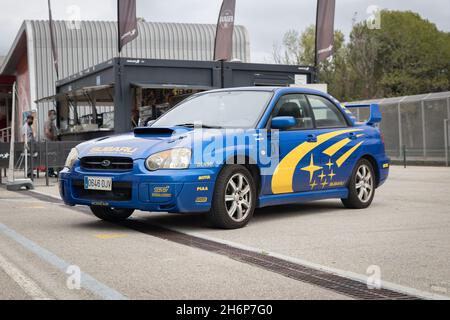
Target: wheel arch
[
  {"x": 250, "y": 165},
  {"x": 376, "y": 167}
]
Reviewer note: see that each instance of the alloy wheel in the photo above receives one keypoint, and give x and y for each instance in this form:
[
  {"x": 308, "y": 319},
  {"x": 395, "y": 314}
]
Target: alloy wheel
[
  {"x": 364, "y": 183},
  {"x": 238, "y": 198}
]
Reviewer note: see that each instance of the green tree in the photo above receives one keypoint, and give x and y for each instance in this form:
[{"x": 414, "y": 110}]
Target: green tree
[
  {"x": 362, "y": 51},
  {"x": 408, "y": 55},
  {"x": 299, "y": 48}
]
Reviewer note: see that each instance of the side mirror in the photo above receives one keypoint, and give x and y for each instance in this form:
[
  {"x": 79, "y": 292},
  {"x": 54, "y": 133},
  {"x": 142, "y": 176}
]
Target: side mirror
[{"x": 282, "y": 123}]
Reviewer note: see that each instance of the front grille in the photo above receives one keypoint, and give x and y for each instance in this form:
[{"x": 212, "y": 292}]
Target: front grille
[
  {"x": 121, "y": 191},
  {"x": 107, "y": 163}
]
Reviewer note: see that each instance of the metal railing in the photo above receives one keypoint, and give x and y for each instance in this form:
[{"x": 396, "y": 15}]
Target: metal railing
[
  {"x": 42, "y": 156},
  {"x": 5, "y": 135},
  {"x": 415, "y": 128}
]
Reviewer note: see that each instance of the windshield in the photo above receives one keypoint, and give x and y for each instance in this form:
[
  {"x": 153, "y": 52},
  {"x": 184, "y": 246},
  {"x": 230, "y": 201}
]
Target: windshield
[{"x": 231, "y": 109}]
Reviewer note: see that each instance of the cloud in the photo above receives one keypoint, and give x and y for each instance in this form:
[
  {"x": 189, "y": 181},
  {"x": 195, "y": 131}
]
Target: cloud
[{"x": 266, "y": 21}]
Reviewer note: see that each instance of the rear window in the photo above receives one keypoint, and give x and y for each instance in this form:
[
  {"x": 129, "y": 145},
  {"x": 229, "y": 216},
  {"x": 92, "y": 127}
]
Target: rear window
[{"x": 326, "y": 114}]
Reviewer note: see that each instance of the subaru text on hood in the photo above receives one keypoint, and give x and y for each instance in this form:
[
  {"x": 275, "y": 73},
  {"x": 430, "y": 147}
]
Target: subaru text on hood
[{"x": 228, "y": 152}]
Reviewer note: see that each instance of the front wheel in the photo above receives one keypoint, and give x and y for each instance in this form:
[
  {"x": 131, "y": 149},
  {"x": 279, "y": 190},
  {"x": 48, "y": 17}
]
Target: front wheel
[
  {"x": 112, "y": 214},
  {"x": 361, "y": 187},
  {"x": 234, "y": 198}
]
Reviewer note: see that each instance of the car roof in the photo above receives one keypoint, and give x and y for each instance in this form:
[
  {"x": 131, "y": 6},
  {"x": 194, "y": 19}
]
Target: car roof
[{"x": 274, "y": 89}]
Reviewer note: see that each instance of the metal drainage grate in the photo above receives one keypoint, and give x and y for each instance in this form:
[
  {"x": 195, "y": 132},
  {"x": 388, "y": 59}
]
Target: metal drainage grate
[{"x": 339, "y": 284}]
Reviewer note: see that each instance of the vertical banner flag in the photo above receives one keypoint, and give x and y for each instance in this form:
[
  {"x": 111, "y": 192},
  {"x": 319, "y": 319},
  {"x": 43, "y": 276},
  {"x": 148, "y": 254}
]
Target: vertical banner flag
[
  {"x": 127, "y": 22},
  {"x": 325, "y": 29},
  {"x": 52, "y": 40},
  {"x": 223, "y": 48}
]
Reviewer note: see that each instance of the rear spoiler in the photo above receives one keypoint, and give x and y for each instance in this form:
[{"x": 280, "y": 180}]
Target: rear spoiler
[{"x": 375, "y": 114}]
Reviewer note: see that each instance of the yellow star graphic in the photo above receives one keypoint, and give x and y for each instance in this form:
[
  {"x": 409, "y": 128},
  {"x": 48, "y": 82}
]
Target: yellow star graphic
[
  {"x": 312, "y": 168},
  {"x": 314, "y": 185},
  {"x": 332, "y": 175},
  {"x": 324, "y": 184},
  {"x": 322, "y": 176},
  {"x": 330, "y": 164}
]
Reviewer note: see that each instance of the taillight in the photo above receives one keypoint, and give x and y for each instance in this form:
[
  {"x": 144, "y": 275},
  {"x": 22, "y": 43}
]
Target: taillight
[{"x": 382, "y": 138}]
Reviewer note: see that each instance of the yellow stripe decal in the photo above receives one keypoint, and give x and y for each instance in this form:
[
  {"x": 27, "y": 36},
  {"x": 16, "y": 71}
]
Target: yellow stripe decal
[
  {"x": 348, "y": 154},
  {"x": 283, "y": 178},
  {"x": 331, "y": 151}
]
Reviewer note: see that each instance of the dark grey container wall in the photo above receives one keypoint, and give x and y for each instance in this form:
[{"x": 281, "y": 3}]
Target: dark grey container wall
[
  {"x": 147, "y": 72},
  {"x": 130, "y": 72},
  {"x": 166, "y": 72},
  {"x": 249, "y": 74},
  {"x": 102, "y": 74}
]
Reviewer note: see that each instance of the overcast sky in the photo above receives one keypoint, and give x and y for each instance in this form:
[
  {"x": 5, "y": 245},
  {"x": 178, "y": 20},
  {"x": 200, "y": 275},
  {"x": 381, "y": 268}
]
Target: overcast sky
[{"x": 266, "y": 21}]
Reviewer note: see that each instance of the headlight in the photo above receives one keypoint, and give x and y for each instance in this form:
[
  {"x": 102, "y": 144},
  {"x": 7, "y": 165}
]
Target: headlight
[
  {"x": 171, "y": 159},
  {"x": 73, "y": 156}
]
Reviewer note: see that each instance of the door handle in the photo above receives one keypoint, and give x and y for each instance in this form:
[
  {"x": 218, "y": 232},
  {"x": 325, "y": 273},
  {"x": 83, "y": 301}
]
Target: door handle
[
  {"x": 312, "y": 138},
  {"x": 353, "y": 136}
]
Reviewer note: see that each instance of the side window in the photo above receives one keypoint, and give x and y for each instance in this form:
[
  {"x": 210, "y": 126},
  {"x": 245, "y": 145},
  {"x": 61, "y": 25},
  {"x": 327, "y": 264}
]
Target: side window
[
  {"x": 326, "y": 114},
  {"x": 295, "y": 105}
]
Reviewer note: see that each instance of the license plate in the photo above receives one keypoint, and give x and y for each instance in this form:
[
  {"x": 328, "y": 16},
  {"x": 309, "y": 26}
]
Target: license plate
[{"x": 98, "y": 184}]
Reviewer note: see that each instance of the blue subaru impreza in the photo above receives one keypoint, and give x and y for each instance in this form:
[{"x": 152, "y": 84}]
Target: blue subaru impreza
[{"x": 228, "y": 152}]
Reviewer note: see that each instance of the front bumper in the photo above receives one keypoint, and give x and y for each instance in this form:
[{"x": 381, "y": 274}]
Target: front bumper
[{"x": 175, "y": 191}]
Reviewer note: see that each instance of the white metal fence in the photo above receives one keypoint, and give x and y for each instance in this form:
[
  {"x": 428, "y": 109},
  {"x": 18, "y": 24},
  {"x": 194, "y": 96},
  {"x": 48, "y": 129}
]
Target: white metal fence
[{"x": 415, "y": 127}]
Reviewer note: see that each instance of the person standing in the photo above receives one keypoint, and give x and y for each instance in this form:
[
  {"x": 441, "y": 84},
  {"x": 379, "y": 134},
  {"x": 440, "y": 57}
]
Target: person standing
[
  {"x": 135, "y": 119},
  {"x": 28, "y": 136},
  {"x": 51, "y": 135},
  {"x": 3, "y": 122}
]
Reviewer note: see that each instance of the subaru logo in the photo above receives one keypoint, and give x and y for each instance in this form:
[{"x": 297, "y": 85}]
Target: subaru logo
[{"x": 106, "y": 163}]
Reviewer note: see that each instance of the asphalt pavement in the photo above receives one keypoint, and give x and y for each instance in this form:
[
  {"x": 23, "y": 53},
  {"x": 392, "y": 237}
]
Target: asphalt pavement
[{"x": 403, "y": 239}]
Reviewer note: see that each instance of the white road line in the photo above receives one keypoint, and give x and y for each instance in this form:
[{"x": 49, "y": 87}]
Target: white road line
[
  {"x": 87, "y": 282},
  {"x": 28, "y": 285},
  {"x": 346, "y": 274}
]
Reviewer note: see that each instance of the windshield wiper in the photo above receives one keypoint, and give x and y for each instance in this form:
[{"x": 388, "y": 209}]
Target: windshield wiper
[{"x": 192, "y": 125}]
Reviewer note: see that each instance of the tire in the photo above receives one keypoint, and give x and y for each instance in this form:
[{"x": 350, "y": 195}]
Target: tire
[
  {"x": 361, "y": 187},
  {"x": 234, "y": 199},
  {"x": 111, "y": 214}
]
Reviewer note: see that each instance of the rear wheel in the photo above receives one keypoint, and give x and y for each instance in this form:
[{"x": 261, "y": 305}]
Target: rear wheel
[
  {"x": 361, "y": 187},
  {"x": 112, "y": 214},
  {"x": 234, "y": 198}
]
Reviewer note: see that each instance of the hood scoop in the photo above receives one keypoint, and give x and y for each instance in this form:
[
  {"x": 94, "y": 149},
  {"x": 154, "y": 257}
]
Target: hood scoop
[{"x": 159, "y": 132}]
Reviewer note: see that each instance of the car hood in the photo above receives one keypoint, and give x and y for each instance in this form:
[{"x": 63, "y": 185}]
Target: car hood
[
  {"x": 145, "y": 142},
  {"x": 138, "y": 145}
]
